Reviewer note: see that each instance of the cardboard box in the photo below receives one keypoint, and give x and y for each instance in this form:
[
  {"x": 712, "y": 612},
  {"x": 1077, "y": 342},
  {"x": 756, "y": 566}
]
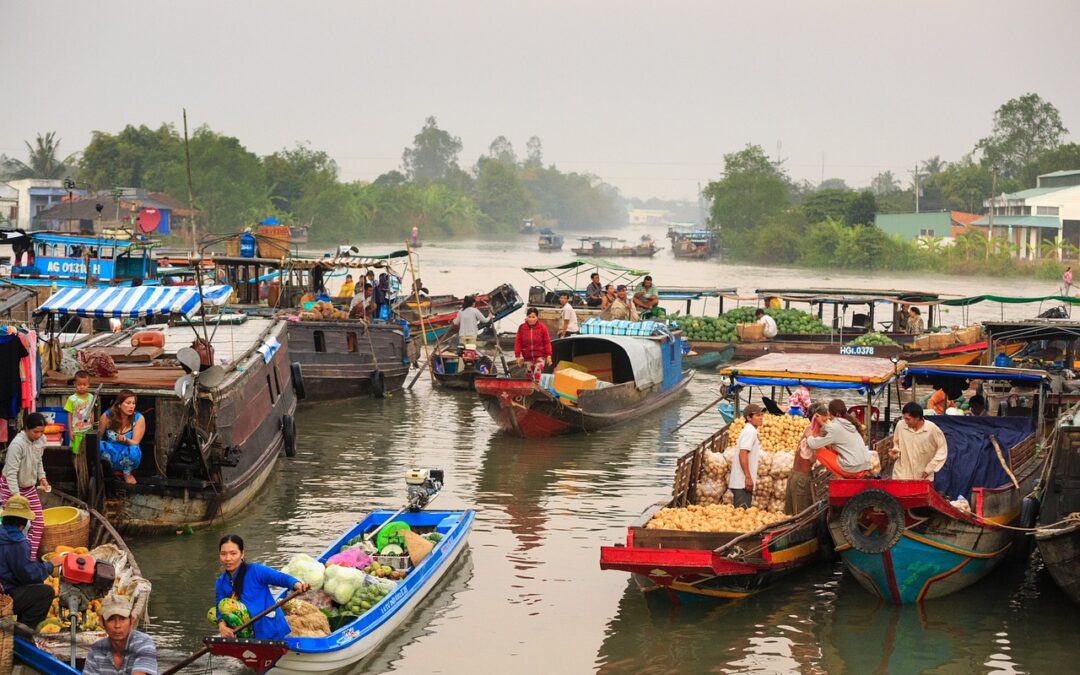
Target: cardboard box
[
  {"x": 572, "y": 365},
  {"x": 568, "y": 382},
  {"x": 596, "y": 364}
]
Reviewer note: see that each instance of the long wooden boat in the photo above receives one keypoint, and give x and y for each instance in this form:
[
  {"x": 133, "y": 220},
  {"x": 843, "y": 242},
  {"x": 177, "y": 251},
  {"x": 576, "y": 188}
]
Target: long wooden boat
[
  {"x": 500, "y": 302},
  {"x": 51, "y": 655},
  {"x": 1058, "y": 536},
  {"x": 904, "y": 540},
  {"x": 205, "y": 459},
  {"x": 639, "y": 375},
  {"x": 347, "y": 358},
  {"x": 605, "y": 246},
  {"x": 716, "y": 565},
  {"x": 347, "y": 646}
]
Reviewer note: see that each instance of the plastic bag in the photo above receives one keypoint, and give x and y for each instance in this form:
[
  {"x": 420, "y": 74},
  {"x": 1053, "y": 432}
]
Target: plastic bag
[
  {"x": 351, "y": 557},
  {"x": 306, "y": 569}
]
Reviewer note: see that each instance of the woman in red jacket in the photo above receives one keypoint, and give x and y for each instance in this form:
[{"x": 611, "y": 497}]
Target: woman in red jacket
[{"x": 532, "y": 342}]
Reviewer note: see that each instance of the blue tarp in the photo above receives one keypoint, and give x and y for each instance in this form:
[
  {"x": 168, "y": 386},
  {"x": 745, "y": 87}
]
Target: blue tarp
[
  {"x": 943, "y": 371},
  {"x": 810, "y": 384},
  {"x": 972, "y": 460}
]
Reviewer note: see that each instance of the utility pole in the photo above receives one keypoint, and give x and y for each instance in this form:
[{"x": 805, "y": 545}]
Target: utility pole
[
  {"x": 190, "y": 192},
  {"x": 990, "y": 215},
  {"x": 915, "y": 179}
]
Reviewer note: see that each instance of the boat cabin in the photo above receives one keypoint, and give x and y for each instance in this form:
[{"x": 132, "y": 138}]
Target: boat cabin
[
  {"x": 47, "y": 258},
  {"x": 865, "y": 304}
]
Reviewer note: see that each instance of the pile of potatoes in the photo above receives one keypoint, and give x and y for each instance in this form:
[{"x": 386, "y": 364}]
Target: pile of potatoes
[
  {"x": 770, "y": 485},
  {"x": 777, "y": 432},
  {"x": 712, "y": 518}
]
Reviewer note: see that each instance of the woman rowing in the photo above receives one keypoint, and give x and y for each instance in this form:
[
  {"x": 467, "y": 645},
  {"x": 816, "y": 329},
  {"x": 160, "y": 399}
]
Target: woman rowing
[{"x": 248, "y": 586}]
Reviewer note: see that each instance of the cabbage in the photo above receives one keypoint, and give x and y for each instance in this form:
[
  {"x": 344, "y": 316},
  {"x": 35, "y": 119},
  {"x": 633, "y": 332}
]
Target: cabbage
[
  {"x": 342, "y": 582},
  {"x": 306, "y": 569}
]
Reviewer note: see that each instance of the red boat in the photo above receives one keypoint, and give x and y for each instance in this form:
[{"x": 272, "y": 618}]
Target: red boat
[
  {"x": 642, "y": 375},
  {"x": 725, "y": 565}
]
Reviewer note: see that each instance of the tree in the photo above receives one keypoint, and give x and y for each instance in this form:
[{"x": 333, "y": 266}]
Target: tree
[
  {"x": 42, "y": 160},
  {"x": 433, "y": 155},
  {"x": 1062, "y": 158},
  {"x": 1023, "y": 128},
  {"x": 300, "y": 172},
  {"x": 534, "y": 153},
  {"x": 500, "y": 194},
  {"x": 826, "y": 204},
  {"x": 884, "y": 183},
  {"x": 862, "y": 209},
  {"x": 503, "y": 150},
  {"x": 934, "y": 165},
  {"x": 134, "y": 157},
  {"x": 751, "y": 190},
  {"x": 833, "y": 184},
  {"x": 964, "y": 185}
]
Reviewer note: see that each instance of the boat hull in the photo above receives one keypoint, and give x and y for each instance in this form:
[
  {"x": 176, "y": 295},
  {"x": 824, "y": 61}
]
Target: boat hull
[
  {"x": 1060, "y": 551},
  {"x": 708, "y": 360},
  {"x": 521, "y": 408},
  {"x": 337, "y": 358}
]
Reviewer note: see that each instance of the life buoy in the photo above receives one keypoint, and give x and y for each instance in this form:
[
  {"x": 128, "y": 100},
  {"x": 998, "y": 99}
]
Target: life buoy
[
  {"x": 297, "y": 380},
  {"x": 877, "y": 511},
  {"x": 288, "y": 434},
  {"x": 378, "y": 383}
]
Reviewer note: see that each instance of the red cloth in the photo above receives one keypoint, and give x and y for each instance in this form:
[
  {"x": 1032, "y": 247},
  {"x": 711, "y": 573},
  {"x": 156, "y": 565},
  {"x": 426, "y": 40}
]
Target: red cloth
[
  {"x": 532, "y": 342},
  {"x": 828, "y": 458}
]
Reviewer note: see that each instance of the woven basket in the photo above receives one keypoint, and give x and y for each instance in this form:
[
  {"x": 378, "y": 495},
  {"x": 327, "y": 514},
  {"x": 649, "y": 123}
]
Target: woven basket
[
  {"x": 940, "y": 340},
  {"x": 750, "y": 331},
  {"x": 7, "y": 640},
  {"x": 969, "y": 335},
  {"x": 74, "y": 534}
]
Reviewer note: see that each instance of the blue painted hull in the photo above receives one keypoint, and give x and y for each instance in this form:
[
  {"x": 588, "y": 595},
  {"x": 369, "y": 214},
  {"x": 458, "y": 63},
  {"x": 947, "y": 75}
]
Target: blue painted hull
[{"x": 41, "y": 661}]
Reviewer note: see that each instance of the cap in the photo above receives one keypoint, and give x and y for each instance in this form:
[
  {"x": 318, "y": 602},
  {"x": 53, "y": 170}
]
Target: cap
[
  {"x": 17, "y": 506},
  {"x": 620, "y": 287},
  {"x": 752, "y": 409},
  {"x": 115, "y": 605}
]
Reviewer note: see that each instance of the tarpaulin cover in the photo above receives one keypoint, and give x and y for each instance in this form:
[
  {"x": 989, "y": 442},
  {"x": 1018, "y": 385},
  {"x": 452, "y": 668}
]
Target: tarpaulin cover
[
  {"x": 131, "y": 302},
  {"x": 979, "y": 373},
  {"x": 619, "y": 327},
  {"x": 972, "y": 461},
  {"x": 642, "y": 354}
]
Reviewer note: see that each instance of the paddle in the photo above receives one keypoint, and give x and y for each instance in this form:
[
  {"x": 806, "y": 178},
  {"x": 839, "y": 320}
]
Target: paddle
[{"x": 199, "y": 654}]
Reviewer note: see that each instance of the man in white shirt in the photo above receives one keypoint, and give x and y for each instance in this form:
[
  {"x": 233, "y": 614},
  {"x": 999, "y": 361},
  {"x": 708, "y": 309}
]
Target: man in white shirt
[
  {"x": 747, "y": 454},
  {"x": 568, "y": 323},
  {"x": 767, "y": 321},
  {"x": 467, "y": 322}
]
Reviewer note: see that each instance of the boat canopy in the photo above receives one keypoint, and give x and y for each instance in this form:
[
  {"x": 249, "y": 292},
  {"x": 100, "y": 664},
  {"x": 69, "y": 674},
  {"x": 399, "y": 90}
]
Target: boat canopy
[
  {"x": 1037, "y": 329},
  {"x": 1018, "y": 375},
  {"x": 133, "y": 302},
  {"x": 598, "y": 263},
  {"x": 1010, "y": 300},
  {"x": 632, "y": 358},
  {"x": 849, "y": 296},
  {"x": 69, "y": 239},
  {"x": 822, "y": 371}
]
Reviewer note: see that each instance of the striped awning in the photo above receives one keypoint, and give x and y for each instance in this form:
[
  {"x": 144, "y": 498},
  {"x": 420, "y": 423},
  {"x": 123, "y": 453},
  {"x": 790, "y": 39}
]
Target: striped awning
[{"x": 129, "y": 302}]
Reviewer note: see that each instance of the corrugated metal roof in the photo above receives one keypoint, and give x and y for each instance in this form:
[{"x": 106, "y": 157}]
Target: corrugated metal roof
[
  {"x": 1021, "y": 221},
  {"x": 1071, "y": 172},
  {"x": 1035, "y": 192}
]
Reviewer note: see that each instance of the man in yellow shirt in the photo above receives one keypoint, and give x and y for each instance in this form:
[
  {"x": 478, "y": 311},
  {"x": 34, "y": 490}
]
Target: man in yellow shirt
[{"x": 919, "y": 447}]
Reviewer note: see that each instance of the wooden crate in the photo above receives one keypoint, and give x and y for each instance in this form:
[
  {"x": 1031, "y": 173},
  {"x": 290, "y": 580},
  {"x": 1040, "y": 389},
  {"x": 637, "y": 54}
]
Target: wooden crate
[
  {"x": 750, "y": 331},
  {"x": 940, "y": 340}
]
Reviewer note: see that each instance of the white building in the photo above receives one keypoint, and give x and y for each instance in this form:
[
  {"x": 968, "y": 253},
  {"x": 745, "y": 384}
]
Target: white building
[
  {"x": 1049, "y": 212},
  {"x": 649, "y": 217},
  {"x": 34, "y": 195},
  {"x": 9, "y": 205}
]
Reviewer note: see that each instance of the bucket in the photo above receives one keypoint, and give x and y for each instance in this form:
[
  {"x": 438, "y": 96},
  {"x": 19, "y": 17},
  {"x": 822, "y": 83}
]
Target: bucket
[{"x": 64, "y": 526}]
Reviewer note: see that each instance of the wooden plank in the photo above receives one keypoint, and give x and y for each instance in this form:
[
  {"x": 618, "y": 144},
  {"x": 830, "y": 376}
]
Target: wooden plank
[{"x": 133, "y": 354}]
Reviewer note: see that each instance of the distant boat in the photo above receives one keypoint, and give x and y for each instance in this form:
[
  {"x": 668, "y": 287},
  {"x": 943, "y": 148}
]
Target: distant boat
[
  {"x": 549, "y": 241},
  {"x": 527, "y": 227},
  {"x": 698, "y": 244},
  {"x": 606, "y": 247}
]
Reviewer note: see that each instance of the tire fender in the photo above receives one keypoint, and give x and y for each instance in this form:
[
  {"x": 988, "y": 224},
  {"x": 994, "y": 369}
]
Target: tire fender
[
  {"x": 298, "y": 380},
  {"x": 885, "y": 512},
  {"x": 378, "y": 383},
  {"x": 288, "y": 434}
]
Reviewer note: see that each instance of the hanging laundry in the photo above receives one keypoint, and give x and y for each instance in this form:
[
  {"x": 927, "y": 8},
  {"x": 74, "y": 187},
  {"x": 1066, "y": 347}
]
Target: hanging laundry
[{"x": 12, "y": 352}]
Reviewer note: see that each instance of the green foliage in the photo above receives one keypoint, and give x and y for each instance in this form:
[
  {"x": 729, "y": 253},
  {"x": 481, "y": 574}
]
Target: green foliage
[
  {"x": 780, "y": 238},
  {"x": 963, "y": 185},
  {"x": 433, "y": 154},
  {"x": 135, "y": 157},
  {"x": 1049, "y": 270},
  {"x": 1024, "y": 127},
  {"x": 1062, "y": 158},
  {"x": 884, "y": 183},
  {"x": 501, "y": 195},
  {"x": 827, "y": 203},
  {"x": 292, "y": 175},
  {"x": 861, "y": 210},
  {"x": 751, "y": 190},
  {"x": 902, "y": 201},
  {"x": 42, "y": 161},
  {"x": 573, "y": 200}
]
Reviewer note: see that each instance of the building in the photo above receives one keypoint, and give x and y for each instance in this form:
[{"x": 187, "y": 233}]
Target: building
[
  {"x": 944, "y": 225},
  {"x": 34, "y": 195},
  {"x": 9, "y": 205},
  {"x": 649, "y": 217},
  {"x": 1046, "y": 213},
  {"x": 102, "y": 212}
]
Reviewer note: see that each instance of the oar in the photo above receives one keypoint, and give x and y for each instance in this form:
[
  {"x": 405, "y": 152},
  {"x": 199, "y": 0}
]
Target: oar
[
  {"x": 699, "y": 413},
  {"x": 199, "y": 654}
]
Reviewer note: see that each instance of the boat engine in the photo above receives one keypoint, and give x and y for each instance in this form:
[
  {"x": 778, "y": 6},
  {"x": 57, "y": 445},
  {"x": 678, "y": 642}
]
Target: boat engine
[
  {"x": 82, "y": 579},
  {"x": 422, "y": 486}
]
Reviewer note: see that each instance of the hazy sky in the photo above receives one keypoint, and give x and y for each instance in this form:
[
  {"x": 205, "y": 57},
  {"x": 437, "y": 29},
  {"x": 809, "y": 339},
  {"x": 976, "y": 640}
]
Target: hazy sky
[{"x": 648, "y": 95}]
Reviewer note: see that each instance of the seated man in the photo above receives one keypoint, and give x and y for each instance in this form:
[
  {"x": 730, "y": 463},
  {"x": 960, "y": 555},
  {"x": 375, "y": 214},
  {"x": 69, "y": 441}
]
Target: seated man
[
  {"x": 646, "y": 299},
  {"x": 20, "y": 575},
  {"x": 594, "y": 292},
  {"x": 124, "y": 650},
  {"x": 622, "y": 309},
  {"x": 764, "y": 319}
]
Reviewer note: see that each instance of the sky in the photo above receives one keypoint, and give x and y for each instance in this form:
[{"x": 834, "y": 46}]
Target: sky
[{"x": 647, "y": 95}]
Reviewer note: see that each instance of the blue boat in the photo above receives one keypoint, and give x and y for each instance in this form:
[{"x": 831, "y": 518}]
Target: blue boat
[
  {"x": 47, "y": 259},
  {"x": 350, "y": 643},
  {"x": 41, "y": 661}
]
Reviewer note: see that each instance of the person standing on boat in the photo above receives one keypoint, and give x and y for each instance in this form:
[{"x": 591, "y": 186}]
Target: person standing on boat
[
  {"x": 467, "y": 322},
  {"x": 840, "y": 447},
  {"x": 765, "y": 320},
  {"x": 747, "y": 454},
  {"x": 24, "y": 473},
  {"x": 568, "y": 321},
  {"x": 919, "y": 447},
  {"x": 798, "y": 496},
  {"x": 915, "y": 325},
  {"x": 121, "y": 428},
  {"x": 348, "y": 289},
  {"x": 532, "y": 344},
  {"x": 249, "y": 584},
  {"x": 124, "y": 650},
  {"x": 20, "y": 573},
  {"x": 1066, "y": 281},
  {"x": 622, "y": 309},
  {"x": 594, "y": 292},
  {"x": 646, "y": 299}
]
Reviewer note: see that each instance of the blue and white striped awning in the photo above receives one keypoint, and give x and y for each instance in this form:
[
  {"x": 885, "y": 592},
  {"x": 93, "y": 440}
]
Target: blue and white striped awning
[{"x": 128, "y": 302}]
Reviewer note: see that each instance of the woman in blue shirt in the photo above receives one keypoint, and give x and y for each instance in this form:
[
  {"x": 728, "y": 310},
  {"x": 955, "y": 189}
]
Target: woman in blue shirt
[{"x": 250, "y": 584}]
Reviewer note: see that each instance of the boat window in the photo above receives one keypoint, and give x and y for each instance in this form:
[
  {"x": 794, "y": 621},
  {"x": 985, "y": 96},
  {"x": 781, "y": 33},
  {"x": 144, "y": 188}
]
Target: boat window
[
  {"x": 350, "y": 337},
  {"x": 105, "y": 253},
  {"x": 320, "y": 341},
  {"x": 277, "y": 382},
  {"x": 270, "y": 388}
]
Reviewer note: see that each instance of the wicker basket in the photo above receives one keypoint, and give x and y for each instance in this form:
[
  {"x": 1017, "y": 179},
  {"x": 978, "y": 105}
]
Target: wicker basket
[
  {"x": 75, "y": 533},
  {"x": 750, "y": 331},
  {"x": 940, "y": 340},
  {"x": 7, "y": 640},
  {"x": 969, "y": 335}
]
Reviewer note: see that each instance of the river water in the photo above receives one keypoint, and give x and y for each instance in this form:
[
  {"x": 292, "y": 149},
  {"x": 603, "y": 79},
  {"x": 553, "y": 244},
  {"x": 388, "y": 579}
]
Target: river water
[{"x": 528, "y": 596}]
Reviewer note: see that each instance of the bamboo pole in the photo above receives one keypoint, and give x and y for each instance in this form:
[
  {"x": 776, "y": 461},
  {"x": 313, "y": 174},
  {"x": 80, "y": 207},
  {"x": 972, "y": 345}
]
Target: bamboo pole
[{"x": 420, "y": 312}]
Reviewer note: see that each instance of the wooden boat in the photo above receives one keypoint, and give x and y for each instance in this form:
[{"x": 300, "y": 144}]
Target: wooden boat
[
  {"x": 52, "y": 655},
  {"x": 716, "y": 565},
  {"x": 500, "y": 302},
  {"x": 904, "y": 540},
  {"x": 605, "y": 246},
  {"x": 347, "y": 646},
  {"x": 206, "y": 455},
  {"x": 347, "y": 358},
  {"x": 708, "y": 360},
  {"x": 697, "y": 244},
  {"x": 461, "y": 373},
  {"x": 1058, "y": 536},
  {"x": 549, "y": 241},
  {"x": 640, "y": 374}
]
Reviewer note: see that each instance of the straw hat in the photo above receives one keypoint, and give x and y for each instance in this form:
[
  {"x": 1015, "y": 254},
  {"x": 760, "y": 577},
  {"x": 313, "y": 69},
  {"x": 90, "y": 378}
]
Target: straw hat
[{"x": 18, "y": 507}]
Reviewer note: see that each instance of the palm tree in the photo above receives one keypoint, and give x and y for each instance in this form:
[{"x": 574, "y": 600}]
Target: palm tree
[
  {"x": 43, "y": 162},
  {"x": 1049, "y": 248},
  {"x": 931, "y": 243},
  {"x": 971, "y": 241}
]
